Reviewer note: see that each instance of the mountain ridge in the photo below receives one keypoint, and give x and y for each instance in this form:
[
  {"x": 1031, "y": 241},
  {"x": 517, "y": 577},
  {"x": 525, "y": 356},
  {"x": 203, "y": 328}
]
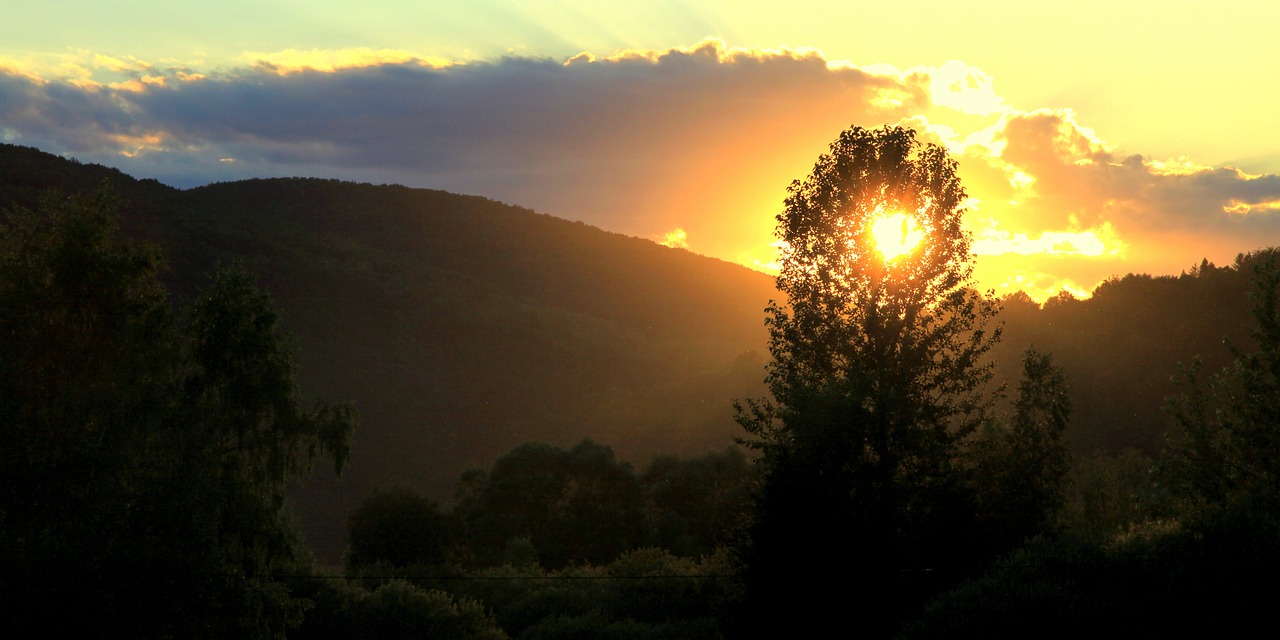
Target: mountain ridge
[
  {"x": 459, "y": 326},
  {"x": 462, "y": 327}
]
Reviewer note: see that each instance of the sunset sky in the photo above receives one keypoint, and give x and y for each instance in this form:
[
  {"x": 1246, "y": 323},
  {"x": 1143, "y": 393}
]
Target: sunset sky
[{"x": 1094, "y": 138}]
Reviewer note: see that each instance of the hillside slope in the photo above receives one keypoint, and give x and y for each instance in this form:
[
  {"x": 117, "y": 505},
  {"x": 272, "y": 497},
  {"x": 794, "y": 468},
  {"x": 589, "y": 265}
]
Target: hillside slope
[{"x": 459, "y": 326}]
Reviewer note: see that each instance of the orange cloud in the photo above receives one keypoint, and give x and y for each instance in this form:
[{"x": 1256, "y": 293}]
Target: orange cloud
[{"x": 703, "y": 139}]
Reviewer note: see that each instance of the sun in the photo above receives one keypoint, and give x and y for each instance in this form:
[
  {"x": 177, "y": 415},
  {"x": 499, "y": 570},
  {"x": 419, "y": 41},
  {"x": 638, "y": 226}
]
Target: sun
[{"x": 896, "y": 234}]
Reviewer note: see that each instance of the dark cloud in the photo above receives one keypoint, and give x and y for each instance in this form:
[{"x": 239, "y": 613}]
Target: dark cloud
[
  {"x": 609, "y": 141},
  {"x": 705, "y": 139}
]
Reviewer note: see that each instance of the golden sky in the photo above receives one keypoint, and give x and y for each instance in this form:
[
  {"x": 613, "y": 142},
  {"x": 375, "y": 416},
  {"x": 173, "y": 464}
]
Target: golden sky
[{"x": 1095, "y": 139}]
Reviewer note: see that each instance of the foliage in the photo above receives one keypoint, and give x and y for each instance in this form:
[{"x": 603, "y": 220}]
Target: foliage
[
  {"x": 1119, "y": 346},
  {"x": 877, "y": 375},
  {"x": 856, "y": 325},
  {"x": 396, "y": 527},
  {"x": 1231, "y": 429},
  {"x": 1110, "y": 493},
  {"x": 580, "y": 505},
  {"x": 644, "y": 593},
  {"x": 697, "y": 504},
  {"x": 395, "y": 609},
  {"x": 1178, "y": 552},
  {"x": 1020, "y": 469},
  {"x": 545, "y": 506},
  {"x": 144, "y": 454},
  {"x": 1160, "y": 580}
]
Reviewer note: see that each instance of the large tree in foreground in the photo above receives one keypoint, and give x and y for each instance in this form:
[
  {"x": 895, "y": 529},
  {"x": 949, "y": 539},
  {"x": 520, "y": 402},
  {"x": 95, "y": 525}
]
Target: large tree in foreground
[
  {"x": 143, "y": 454},
  {"x": 878, "y": 373}
]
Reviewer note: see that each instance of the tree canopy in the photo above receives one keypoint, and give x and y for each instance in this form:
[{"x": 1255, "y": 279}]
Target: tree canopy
[
  {"x": 144, "y": 452},
  {"x": 1230, "y": 429},
  {"x": 877, "y": 374}
]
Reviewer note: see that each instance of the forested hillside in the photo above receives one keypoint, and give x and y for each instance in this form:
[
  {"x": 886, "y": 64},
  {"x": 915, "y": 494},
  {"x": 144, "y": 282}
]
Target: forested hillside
[
  {"x": 1121, "y": 348},
  {"x": 154, "y": 421},
  {"x": 458, "y": 326},
  {"x": 461, "y": 327}
]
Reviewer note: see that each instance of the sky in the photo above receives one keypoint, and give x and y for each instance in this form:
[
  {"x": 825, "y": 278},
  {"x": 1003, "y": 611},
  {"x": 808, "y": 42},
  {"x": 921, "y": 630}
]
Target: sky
[{"x": 1095, "y": 139}]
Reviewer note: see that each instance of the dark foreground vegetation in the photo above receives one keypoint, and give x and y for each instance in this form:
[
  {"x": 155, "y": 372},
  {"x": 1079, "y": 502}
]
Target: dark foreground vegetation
[
  {"x": 888, "y": 486},
  {"x": 144, "y": 449}
]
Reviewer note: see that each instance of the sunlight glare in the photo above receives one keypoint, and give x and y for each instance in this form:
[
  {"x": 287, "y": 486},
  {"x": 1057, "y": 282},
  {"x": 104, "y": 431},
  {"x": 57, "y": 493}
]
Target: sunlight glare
[{"x": 896, "y": 234}]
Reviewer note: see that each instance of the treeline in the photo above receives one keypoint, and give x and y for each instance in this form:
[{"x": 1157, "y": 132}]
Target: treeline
[
  {"x": 1182, "y": 543},
  {"x": 573, "y": 542},
  {"x": 442, "y": 302},
  {"x": 581, "y": 332},
  {"x": 558, "y": 543},
  {"x": 148, "y": 440},
  {"x": 543, "y": 506},
  {"x": 1122, "y": 346}
]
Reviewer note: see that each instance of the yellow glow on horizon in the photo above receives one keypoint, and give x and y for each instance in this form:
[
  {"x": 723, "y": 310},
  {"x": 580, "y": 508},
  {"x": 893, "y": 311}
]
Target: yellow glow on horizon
[
  {"x": 676, "y": 239},
  {"x": 1040, "y": 286},
  {"x": 896, "y": 234}
]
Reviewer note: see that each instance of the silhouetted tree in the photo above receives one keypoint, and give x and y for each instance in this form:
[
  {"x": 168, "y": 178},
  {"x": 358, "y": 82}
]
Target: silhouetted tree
[
  {"x": 1231, "y": 429},
  {"x": 877, "y": 374},
  {"x": 581, "y": 505},
  {"x": 143, "y": 455},
  {"x": 1134, "y": 570},
  {"x": 397, "y": 527},
  {"x": 697, "y": 504},
  {"x": 1021, "y": 466},
  {"x": 394, "y": 609}
]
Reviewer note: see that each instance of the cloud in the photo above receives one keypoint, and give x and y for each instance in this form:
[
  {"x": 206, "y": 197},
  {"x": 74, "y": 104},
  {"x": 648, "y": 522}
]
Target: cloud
[
  {"x": 296, "y": 60},
  {"x": 704, "y": 138},
  {"x": 633, "y": 141},
  {"x": 1081, "y": 183}
]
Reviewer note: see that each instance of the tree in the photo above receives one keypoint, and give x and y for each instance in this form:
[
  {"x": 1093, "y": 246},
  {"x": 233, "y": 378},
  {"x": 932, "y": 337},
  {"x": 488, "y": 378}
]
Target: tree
[
  {"x": 397, "y": 527},
  {"x": 394, "y": 609},
  {"x": 580, "y": 505},
  {"x": 143, "y": 453},
  {"x": 877, "y": 374},
  {"x": 1225, "y": 457},
  {"x": 1021, "y": 466},
  {"x": 696, "y": 504}
]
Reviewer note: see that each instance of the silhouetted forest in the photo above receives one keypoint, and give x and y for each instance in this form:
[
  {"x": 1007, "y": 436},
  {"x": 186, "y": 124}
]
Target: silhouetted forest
[
  {"x": 510, "y": 371},
  {"x": 461, "y": 327}
]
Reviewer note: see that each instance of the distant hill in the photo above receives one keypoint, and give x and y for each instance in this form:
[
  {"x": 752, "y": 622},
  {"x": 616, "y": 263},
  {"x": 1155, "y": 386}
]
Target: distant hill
[
  {"x": 1122, "y": 348},
  {"x": 461, "y": 327}
]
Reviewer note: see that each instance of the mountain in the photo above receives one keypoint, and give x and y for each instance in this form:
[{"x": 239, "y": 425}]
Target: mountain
[{"x": 459, "y": 326}]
